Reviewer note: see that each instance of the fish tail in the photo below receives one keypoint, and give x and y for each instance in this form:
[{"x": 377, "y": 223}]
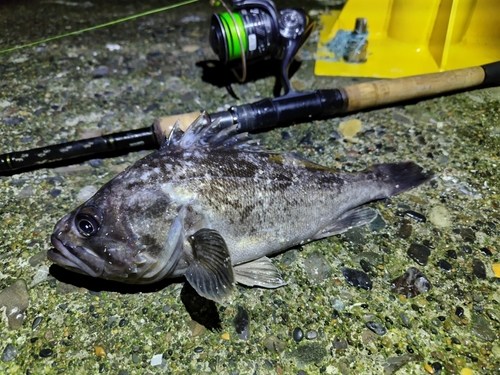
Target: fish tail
[
  {"x": 398, "y": 177},
  {"x": 377, "y": 182}
]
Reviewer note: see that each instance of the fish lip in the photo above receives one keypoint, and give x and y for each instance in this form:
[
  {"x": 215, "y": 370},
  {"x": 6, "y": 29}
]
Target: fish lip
[{"x": 63, "y": 255}]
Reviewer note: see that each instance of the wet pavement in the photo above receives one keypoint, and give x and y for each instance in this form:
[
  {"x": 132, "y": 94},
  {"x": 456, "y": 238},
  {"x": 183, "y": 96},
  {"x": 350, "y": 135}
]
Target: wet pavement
[{"x": 416, "y": 291}]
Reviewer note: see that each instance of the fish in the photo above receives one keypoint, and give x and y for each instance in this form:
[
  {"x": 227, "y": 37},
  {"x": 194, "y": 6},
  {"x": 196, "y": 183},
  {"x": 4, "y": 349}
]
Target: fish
[{"x": 213, "y": 206}]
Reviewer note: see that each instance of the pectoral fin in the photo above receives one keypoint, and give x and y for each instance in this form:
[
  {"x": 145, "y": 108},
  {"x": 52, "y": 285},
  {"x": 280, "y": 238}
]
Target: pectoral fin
[
  {"x": 210, "y": 272},
  {"x": 260, "y": 272}
]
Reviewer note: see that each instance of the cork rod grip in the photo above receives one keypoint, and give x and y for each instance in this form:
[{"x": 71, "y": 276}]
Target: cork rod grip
[{"x": 383, "y": 92}]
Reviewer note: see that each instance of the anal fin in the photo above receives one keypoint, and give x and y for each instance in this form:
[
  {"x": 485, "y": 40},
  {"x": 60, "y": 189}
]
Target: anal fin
[
  {"x": 260, "y": 272},
  {"x": 210, "y": 272},
  {"x": 353, "y": 218}
]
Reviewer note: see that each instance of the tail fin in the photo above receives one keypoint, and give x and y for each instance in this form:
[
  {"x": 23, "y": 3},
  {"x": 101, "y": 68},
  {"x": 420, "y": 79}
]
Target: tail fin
[{"x": 399, "y": 177}]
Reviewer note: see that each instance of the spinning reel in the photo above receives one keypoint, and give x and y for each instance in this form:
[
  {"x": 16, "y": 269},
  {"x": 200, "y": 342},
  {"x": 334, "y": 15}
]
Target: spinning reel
[{"x": 256, "y": 30}]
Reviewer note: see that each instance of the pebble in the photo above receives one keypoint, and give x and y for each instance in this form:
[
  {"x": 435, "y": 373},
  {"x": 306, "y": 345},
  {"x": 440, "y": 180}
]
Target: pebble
[
  {"x": 357, "y": 278},
  {"x": 412, "y": 283},
  {"x": 405, "y": 230},
  {"x": 355, "y": 236},
  {"x": 485, "y": 251},
  {"x": 100, "y": 72},
  {"x": 156, "y": 360},
  {"x": 400, "y": 117},
  {"x": 15, "y": 299},
  {"x": 440, "y": 217},
  {"x": 452, "y": 254},
  {"x": 445, "y": 265},
  {"x": 122, "y": 323},
  {"x": 419, "y": 253},
  {"x": 154, "y": 54},
  {"x": 72, "y": 169},
  {"x": 365, "y": 266},
  {"x": 428, "y": 368},
  {"x": 467, "y": 234},
  {"x": 36, "y": 322},
  {"x": 18, "y": 182},
  {"x": 9, "y": 353},
  {"x": 44, "y": 353},
  {"x": 310, "y": 353},
  {"x": 40, "y": 275},
  {"x": 416, "y": 216},
  {"x": 13, "y": 120},
  {"x": 151, "y": 108},
  {"x": 274, "y": 344},
  {"x": 190, "y": 48},
  {"x": 63, "y": 288},
  {"x": 242, "y": 324},
  {"x": 493, "y": 315},
  {"x": 298, "y": 334},
  {"x": 376, "y": 327},
  {"x": 26, "y": 192},
  {"x": 95, "y": 162},
  {"x": 338, "y": 304},
  {"x": 54, "y": 193},
  {"x": 496, "y": 269},
  {"x": 371, "y": 257},
  {"x": 39, "y": 111},
  {"x": 479, "y": 269},
  {"x": 196, "y": 328},
  {"x": 85, "y": 193},
  {"x": 437, "y": 367},
  {"x": 317, "y": 268},
  {"x": 481, "y": 328},
  {"x": 334, "y": 136},
  {"x": 459, "y": 311},
  {"x": 289, "y": 257},
  {"x": 405, "y": 320},
  {"x": 38, "y": 258},
  {"x": 350, "y": 128},
  {"x": 99, "y": 351},
  {"x": 225, "y": 336},
  {"x": 393, "y": 364},
  {"x": 285, "y": 135},
  {"x": 311, "y": 334},
  {"x": 377, "y": 224},
  {"x": 466, "y": 371},
  {"x": 339, "y": 343}
]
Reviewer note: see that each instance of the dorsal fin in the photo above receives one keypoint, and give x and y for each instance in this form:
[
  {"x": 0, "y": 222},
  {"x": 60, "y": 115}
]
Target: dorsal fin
[{"x": 204, "y": 134}]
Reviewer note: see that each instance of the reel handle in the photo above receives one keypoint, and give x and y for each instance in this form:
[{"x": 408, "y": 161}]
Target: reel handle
[{"x": 295, "y": 28}]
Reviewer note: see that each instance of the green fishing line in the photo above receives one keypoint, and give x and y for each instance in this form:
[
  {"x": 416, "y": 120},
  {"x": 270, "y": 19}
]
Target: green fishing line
[{"x": 177, "y": 5}]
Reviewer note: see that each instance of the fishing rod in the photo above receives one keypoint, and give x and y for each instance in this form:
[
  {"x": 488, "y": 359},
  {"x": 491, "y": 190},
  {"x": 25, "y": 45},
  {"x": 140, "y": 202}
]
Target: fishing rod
[{"x": 292, "y": 108}]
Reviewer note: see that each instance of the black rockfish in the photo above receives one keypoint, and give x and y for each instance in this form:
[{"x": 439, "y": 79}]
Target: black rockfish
[{"x": 211, "y": 205}]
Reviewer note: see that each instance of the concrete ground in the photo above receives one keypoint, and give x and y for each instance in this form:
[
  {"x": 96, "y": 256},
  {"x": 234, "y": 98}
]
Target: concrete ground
[{"x": 124, "y": 76}]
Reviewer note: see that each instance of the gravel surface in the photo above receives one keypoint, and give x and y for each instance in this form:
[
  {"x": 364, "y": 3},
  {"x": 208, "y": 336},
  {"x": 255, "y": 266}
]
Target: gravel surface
[{"x": 416, "y": 291}]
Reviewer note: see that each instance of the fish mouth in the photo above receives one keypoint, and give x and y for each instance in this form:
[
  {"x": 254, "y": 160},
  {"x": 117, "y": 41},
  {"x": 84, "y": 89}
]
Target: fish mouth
[{"x": 75, "y": 258}]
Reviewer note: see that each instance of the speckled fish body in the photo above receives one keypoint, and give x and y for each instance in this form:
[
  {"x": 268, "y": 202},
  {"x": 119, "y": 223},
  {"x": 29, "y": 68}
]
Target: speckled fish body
[{"x": 212, "y": 206}]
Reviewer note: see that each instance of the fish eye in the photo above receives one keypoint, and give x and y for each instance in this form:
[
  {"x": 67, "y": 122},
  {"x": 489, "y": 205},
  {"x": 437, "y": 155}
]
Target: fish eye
[{"x": 88, "y": 221}]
